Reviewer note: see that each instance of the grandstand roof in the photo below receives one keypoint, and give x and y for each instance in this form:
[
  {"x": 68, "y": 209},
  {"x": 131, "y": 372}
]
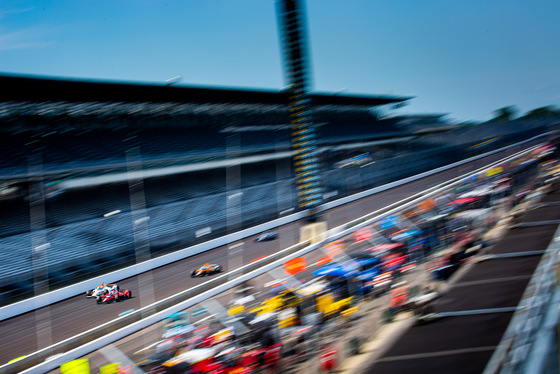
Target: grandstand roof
[{"x": 35, "y": 89}]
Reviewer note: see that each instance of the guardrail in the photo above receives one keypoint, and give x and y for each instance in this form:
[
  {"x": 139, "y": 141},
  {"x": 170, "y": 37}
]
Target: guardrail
[
  {"x": 128, "y": 324},
  {"x": 533, "y": 326}
]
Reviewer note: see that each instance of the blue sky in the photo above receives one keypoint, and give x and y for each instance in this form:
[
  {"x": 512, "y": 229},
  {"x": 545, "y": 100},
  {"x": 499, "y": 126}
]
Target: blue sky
[{"x": 464, "y": 58}]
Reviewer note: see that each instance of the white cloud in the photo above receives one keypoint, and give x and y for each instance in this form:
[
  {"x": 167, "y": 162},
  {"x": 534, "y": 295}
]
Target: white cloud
[
  {"x": 8, "y": 12},
  {"x": 22, "y": 39}
]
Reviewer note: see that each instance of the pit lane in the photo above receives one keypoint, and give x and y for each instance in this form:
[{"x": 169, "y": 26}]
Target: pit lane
[{"x": 465, "y": 344}]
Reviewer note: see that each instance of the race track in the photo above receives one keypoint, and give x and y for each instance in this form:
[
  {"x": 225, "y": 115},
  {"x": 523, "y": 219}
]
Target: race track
[{"x": 27, "y": 333}]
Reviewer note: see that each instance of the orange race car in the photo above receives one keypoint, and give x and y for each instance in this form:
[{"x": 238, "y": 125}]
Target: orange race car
[{"x": 206, "y": 269}]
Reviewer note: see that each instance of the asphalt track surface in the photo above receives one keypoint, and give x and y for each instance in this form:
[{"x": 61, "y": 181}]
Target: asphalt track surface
[
  {"x": 465, "y": 344},
  {"x": 35, "y": 330}
]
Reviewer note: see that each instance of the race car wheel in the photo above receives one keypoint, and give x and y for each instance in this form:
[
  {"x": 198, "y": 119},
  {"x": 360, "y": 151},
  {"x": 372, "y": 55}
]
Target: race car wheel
[
  {"x": 88, "y": 293},
  {"x": 192, "y": 274},
  {"x": 98, "y": 299}
]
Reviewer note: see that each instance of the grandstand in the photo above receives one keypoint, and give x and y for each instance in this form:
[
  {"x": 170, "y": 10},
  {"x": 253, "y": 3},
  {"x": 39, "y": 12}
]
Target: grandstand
[
  {"x": 71, "y": 149},
  {"x": 78, "y": 142},
  {"x": 84, "y": 125}
]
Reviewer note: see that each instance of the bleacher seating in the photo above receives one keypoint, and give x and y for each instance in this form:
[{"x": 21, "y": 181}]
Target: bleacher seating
[
  {"x": 81, "y": 239},
  {"x": 72, "y": 147}
]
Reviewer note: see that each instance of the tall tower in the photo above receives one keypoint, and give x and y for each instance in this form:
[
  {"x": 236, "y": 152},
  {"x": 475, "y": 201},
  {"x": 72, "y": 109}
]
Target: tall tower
[{"x": 304, "y": 139}]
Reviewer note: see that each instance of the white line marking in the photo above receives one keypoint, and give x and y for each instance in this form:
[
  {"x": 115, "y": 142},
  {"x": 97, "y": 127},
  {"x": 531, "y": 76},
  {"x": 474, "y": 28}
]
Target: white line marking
[
  {"x": 236, "y": 245},
  {"x": 436, "y": 354}
]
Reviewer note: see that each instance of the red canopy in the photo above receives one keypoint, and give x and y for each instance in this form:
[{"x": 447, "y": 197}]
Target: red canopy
[
  {"x": 464, "y": 200},
  {"x": 396, "y": 261}
]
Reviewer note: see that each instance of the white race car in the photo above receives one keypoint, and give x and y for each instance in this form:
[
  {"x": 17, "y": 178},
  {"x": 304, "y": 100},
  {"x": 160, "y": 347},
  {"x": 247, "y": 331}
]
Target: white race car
[{"x": 101, "y": 290}]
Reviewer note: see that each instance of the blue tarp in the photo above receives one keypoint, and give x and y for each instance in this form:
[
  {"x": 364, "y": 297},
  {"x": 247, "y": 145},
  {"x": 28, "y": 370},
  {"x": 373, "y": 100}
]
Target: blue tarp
[
  {"x": 337, "y": 270},
  {"x": 406, "y": 235},
  {"x": 367, "y": 261},
  {"x": 347, "y": 269},
  {"x": 388, "y": 222}
]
